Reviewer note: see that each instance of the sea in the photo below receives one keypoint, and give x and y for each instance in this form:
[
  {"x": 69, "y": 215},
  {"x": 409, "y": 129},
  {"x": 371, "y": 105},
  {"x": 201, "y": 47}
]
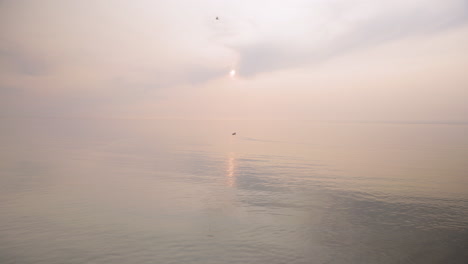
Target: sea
[{"x": 131, "y": 191}]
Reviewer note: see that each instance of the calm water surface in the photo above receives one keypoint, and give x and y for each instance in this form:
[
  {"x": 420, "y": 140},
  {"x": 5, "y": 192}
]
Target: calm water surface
[{"x": 148, "y": 191}]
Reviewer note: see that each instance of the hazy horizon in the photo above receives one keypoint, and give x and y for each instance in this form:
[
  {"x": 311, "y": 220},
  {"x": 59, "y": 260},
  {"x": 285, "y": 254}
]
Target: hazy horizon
[{"x": 390, "y": 61}]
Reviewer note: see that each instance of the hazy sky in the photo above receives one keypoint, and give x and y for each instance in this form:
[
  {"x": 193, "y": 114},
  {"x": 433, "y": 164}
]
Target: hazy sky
[{"x": 386, "y": 60}]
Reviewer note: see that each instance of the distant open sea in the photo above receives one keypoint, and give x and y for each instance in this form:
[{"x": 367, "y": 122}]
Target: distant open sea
[{"x": 160, "y": 191}]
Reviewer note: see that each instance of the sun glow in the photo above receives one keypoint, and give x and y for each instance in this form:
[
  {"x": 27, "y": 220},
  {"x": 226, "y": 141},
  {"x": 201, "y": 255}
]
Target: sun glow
[{"x": 232, "y": 73}]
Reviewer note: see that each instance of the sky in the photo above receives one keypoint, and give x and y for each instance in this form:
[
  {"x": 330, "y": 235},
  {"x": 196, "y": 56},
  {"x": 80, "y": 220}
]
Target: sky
[{"x": 338, "y": 60}]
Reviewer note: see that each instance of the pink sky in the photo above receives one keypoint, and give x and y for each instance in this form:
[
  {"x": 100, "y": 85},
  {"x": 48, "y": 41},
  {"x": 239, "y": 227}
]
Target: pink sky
[{"x": 389, "y": 60}]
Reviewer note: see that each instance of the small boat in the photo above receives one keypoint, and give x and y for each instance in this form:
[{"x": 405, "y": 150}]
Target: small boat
[{"x": 234, "y": 133}]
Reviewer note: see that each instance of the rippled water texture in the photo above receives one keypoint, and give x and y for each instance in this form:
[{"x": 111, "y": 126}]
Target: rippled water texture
[{"x": 148, "y": 191}]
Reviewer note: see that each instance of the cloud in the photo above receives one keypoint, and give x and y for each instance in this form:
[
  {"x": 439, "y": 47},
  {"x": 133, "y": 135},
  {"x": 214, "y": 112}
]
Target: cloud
[
  {"x": 19, "y": 61},
  {"x": 109, "y": 57},
  {"x": 352, "y": 28}
]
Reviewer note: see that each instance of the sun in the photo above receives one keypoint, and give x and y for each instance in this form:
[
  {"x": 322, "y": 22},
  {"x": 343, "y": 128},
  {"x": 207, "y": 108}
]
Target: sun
[{"x": 232, "y": 73}]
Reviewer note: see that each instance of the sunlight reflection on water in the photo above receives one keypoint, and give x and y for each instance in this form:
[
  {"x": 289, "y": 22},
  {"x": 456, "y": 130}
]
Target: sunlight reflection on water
[{"x": 231, "y": 167}]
